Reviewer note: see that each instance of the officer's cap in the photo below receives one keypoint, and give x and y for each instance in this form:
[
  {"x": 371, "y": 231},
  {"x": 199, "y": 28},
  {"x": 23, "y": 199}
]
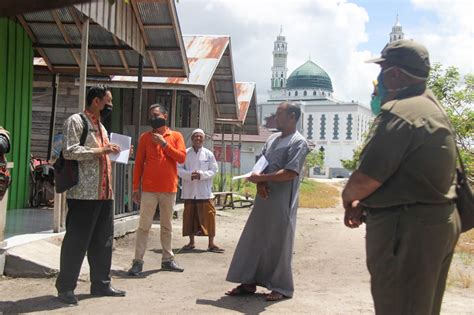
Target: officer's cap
[{"x": 407, "y": 54}]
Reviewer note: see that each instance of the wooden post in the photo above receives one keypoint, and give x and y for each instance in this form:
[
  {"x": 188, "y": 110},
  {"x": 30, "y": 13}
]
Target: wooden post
[
  {"x": 174, "y": 104},
  {"x": 83, "y": 73},
  {"x": 140, "y": 99},
  {"x": 52, "y": 121},
  {"x": 240, "y": 147},
  {"x": 60, "y": 199},
  {"x": 222, "y": 157},
  {"x": 232, "y": 128}
]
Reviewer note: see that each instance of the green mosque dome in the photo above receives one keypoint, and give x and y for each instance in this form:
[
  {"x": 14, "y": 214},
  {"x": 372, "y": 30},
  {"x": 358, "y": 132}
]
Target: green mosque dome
[{"x": 309, "y": 75}]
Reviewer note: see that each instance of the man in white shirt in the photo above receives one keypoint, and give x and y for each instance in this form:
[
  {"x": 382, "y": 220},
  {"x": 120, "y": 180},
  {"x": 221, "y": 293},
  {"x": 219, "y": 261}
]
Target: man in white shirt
[{"x": 199, "y": 216}]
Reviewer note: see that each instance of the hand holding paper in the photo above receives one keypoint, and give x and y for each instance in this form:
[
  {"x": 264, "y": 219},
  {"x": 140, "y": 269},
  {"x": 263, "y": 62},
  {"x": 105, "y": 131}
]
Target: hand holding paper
[
  {"x": 125, "y": 143},
  {"x": 258, "y": 168}
]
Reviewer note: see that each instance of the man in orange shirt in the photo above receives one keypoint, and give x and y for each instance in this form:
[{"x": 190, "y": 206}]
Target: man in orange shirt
[{"x": 159, "y": 152}]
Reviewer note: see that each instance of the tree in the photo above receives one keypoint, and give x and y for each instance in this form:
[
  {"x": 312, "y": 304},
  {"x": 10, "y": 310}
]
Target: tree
[
  {"x": 457, "y": 98},
  {"x": 315, "y": 159},
  {"x": 351, "y": 164}
]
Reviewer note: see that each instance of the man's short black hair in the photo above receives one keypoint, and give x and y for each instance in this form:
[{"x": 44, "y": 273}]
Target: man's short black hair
[
  {"x": 162, "y": 108},
  {"x": 96, "y": 91},
  {"x": 293, "y": 108}
]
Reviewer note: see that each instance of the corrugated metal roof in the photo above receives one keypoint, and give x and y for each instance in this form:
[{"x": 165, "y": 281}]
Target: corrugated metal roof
[
  {"x": 210, "y": 63},
  {"x": 204, "y": 54},
  {"x": 149, "y": 27}
]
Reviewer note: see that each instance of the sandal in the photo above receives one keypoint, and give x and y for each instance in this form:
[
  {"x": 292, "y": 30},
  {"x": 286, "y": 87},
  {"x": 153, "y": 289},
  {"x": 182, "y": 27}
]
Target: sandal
[
  {"x": 215, "y": 249},
  {"x": 274, "y": 296},
  {"x": 242, "y": 289},
  {"x": 188, "y": 247}
]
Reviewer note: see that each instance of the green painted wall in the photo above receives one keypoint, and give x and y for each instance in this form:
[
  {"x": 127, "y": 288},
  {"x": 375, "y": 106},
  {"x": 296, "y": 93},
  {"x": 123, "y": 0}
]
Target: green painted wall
[{"x": 16, "y": 77}]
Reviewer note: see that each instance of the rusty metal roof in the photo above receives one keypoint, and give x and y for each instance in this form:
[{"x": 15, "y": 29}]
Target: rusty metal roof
[
  {"x": 210, "y": 63},
  {"x": 247, "y": 118},
  {"x": 118, "y": 33},
  {"x": 247, "y": 98}
]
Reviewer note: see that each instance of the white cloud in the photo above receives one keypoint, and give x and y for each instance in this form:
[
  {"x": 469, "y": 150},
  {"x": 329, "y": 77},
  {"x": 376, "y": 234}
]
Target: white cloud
[
  {"x": 331, "y": 32},
  {"x": 450, "y": 39}
]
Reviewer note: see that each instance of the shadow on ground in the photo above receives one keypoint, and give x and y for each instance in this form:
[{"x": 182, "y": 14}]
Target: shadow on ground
[
  {"x": 38, "y": 304},
  {"x": 250, "y": 304}
]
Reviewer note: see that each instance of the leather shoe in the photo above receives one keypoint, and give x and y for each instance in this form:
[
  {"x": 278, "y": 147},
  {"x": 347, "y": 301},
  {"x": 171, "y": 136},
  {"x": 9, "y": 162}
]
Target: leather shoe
[
  {"x": 171, "y": 266},
  {"x": 107, "y": 291},
  {"x": 67, "y": 297}
]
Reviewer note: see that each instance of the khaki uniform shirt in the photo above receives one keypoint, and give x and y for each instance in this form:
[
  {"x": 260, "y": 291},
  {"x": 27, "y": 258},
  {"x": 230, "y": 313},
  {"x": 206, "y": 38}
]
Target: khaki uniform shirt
[{"x": 411, "y": 151}]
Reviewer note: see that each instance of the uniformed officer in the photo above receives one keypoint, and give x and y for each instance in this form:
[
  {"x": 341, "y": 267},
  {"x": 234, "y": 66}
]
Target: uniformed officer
[{"x": 404, "y": 185}]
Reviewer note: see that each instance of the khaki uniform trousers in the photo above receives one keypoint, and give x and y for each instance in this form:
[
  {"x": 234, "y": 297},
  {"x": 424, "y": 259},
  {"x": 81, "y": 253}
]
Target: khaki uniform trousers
[
  {"x": 409, "y": 251},
  {"x": 149, "y": 201}
]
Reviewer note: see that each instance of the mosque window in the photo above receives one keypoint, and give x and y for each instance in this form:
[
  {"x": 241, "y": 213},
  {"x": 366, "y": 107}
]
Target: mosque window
[
  {"x": 281, "y": 82},
  {"x": 289, "y": 93},
  {"x": 314, "y": 93},
  {"x": 349, "y": 127},
  {"x": 305, "y": 93},
  {"x": 296, "y": 93},
  {"x": 310, "y": 127},
  {"x": 323, "y": 94},
  {"x": 335, "y": 133},
  {"x": 322, "y": 130}
]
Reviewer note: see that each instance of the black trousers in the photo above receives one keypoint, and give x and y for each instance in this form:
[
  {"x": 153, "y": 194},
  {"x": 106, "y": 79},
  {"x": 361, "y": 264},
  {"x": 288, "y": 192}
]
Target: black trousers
[{"x": 89, "y": 228}]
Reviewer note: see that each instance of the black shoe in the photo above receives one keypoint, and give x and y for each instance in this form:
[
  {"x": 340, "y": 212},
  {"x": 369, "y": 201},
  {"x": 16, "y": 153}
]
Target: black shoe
[
  {"x": 171, "y": 266},
  {"x": 136, "y": 269},
  {"x": 67, "y": 297},
  {"x": 106, "y": 291}
]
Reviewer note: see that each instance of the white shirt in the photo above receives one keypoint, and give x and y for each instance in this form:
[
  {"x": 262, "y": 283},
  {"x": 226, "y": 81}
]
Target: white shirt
[{"x": 204, "y": 162}]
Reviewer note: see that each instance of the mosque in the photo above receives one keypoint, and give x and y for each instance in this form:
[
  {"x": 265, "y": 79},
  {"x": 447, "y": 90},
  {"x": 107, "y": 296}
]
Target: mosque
[{"x": 335, "y": 127}]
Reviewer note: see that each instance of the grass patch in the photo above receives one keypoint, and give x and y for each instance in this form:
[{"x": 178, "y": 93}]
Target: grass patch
[
  {"x": 466, "y": 243},
  {"x": 464, "y": 251},
  {"x": 318, "y": 195},
  {"x": 312, "y": 194}
]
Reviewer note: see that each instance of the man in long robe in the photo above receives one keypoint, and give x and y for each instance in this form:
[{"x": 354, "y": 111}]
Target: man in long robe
[{"x": 264, "y": 253}]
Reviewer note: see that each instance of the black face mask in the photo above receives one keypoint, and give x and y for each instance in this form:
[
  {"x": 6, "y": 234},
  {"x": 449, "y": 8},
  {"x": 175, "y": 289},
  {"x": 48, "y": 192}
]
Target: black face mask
[
  {"x": 157, "y": 122},
  {"x": 105, "y": 113}
]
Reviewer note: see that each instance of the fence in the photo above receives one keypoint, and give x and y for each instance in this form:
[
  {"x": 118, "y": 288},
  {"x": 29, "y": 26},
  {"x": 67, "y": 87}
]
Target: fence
[{"x": 122, "y": 175}]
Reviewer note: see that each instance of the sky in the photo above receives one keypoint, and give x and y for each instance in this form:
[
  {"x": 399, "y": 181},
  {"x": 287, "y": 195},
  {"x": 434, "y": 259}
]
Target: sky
[{"x": 338, "y": 35}]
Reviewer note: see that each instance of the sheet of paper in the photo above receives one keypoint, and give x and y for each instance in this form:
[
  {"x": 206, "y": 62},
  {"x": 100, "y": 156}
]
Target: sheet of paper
[
  {"x": 259, "y": 167},
  {"x": 124, "y": 142}
]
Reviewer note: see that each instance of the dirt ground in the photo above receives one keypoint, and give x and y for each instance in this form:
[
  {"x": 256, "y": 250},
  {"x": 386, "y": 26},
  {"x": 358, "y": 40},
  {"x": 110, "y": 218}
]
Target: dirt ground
[{"x": 329, "y": 273}]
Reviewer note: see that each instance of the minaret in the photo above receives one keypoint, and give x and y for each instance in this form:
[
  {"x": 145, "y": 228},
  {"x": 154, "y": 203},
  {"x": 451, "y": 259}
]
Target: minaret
[
  {"x": 279, "y": 68},
  {"x": 397, "y": 32}
]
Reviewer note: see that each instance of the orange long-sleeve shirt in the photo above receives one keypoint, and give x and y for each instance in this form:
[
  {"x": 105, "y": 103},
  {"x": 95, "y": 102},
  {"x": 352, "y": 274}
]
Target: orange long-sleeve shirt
[{"x": 156, "y": 167}]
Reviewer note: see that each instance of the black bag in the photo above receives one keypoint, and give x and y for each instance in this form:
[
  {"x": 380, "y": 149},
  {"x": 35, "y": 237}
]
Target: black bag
[
  {"x": 66, "y": 172},
  {"x": 5, "y": 178},
  {"x": 464, "y": 200}
]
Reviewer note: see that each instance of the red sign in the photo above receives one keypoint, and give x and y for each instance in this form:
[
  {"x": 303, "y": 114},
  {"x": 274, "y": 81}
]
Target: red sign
[{"x": 235, "y": 158}]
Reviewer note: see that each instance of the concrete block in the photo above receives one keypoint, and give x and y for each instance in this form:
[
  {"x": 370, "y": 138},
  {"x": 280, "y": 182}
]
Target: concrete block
[
  {"x": 125, "y": 225},
  {"x": 36, "y": 259}
]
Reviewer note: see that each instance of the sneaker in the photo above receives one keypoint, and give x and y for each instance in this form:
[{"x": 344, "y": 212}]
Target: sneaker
[
  {"x": 175, "y": 215},
  {"x": 171, "y": 266},
  {"x": 136, "y": 269}
]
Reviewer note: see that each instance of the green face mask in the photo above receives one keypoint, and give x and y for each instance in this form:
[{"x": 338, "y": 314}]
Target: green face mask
[{"x": 376, "y": 101}]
